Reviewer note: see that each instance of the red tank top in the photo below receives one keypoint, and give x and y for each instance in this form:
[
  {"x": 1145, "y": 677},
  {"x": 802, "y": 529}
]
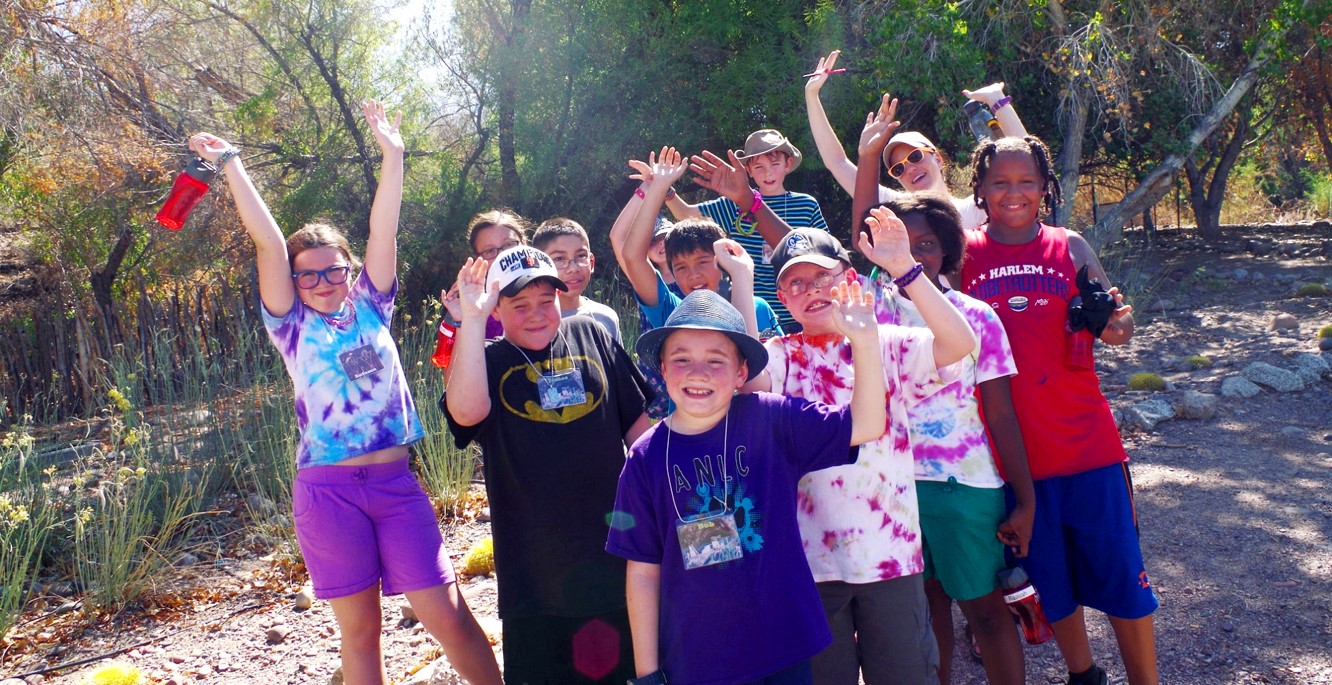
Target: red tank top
[{"x": 1066, "y": 421}]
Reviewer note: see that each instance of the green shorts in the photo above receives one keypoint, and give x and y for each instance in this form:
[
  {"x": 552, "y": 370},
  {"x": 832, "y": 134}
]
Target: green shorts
[{"x": 958, "y": 525}]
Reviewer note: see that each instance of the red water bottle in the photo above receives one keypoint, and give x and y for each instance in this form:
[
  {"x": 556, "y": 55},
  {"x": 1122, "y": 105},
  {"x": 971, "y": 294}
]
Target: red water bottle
[
  {"x": 190, "y": 187},
  {"x": 1023, "y": 601},
  {"x": 444, "y": 343}
]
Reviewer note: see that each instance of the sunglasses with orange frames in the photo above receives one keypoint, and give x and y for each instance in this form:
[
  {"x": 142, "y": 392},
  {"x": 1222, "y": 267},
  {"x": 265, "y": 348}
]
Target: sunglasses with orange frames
[{"x": 914, "y": 157}]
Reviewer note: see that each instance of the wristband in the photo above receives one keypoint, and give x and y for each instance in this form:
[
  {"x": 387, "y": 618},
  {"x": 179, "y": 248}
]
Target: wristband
[
  {"x": 657, "y": 677},
  {"x": 639, "y": 192},
  {"x": 670, "y": 192},
  {"x": 225, "y": 157},
  {"x": 758, "y": 200},
  {"x": 905, "y": 279},
  {"x": 1001, "y": 103}
]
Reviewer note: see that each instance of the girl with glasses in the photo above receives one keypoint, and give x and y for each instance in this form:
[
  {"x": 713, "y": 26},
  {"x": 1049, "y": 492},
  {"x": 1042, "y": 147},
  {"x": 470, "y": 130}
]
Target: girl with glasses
[
  {"x": 910, "y": 157},
  {"x": 364, "y": 524}
]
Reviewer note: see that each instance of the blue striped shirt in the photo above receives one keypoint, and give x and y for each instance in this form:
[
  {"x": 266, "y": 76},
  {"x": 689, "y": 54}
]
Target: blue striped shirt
[{"x": 797, "y": 209}]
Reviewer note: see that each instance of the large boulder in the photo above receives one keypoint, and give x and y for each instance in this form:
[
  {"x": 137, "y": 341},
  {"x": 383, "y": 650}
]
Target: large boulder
[
  {"x": 1195, "y": 405},
  {"x": 1239, "y": 387},
  {"x": 1147, "y": 413},
  {"x": 1269, "y": 376}
]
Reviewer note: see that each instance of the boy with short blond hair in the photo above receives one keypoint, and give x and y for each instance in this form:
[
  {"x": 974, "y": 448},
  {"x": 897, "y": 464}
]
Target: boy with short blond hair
[
  {"x": 718, "y": 588},
  {"x": 566, "y": 242},
  {"x": 768, "y": 157}
]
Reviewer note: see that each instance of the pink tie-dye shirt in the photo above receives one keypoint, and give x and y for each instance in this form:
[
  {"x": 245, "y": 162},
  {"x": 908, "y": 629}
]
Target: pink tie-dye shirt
[
  {"x": 947, "y": 435},
  {"x": 859, "y": 523}
]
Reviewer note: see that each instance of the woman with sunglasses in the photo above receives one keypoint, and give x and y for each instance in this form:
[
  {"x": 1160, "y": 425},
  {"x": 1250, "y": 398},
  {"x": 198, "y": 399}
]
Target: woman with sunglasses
[
  {"x": 910, "y": 157},
  {"x": 363, "y": 522}
]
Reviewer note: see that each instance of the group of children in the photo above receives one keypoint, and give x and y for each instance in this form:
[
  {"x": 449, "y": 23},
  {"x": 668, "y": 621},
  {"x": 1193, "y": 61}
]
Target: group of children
[{"x": 828, "y": 474}]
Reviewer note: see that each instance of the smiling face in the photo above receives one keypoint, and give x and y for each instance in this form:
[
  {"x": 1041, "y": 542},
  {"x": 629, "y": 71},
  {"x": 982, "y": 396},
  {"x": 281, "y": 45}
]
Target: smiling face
[
  {"x": 532, "y": 317},
  {"x": 324, "y": 298},
  {"x": 812, "y": 308},
  {"x": 569, "y": 250},
  {"x": 1013, "y": 190},
  {"x": 702, "y": 370},
  {"x": 769, "y": 172},
  {"x": 926, "y": 174},
  {"x": 696, "y": 270}
]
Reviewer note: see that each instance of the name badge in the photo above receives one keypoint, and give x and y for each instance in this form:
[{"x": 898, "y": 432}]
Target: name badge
[
  {"x": 709, "y": 541},
  {"x": 360, "y": 362},
  {"x": 563, "y": 389}
]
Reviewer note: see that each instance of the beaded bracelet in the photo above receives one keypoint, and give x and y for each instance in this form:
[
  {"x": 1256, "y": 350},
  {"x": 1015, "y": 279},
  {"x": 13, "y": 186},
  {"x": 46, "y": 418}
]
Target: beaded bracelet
[
  {"x": 225, "y": 157},
  {"x": 905, "y": 279}
]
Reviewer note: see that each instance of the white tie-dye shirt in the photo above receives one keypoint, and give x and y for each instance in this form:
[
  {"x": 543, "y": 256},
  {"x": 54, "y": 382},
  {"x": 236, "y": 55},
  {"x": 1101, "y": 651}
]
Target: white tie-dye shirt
[
  {"x": 860, "y": 523},
  {"x": 340, "y": 418},
  {"x": 947, "y": 434}
]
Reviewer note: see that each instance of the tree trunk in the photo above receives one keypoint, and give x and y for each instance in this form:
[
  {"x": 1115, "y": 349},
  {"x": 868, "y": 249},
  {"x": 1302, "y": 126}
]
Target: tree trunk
[
  {"x": 1206, "y": 195},
  {"x": 1070, "y": 157},
  {"x": 507, "y": 104}
]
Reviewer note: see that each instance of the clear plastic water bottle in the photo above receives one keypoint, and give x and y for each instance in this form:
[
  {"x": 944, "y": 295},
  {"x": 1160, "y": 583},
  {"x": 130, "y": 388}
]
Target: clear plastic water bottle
[
  {"x": 1023, "y": 601},
  {"x": 982, "y": 122},
  {"x": 190, "y": 187}
]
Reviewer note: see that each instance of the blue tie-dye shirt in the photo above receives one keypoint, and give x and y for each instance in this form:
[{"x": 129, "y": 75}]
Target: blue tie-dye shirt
[{"x": 340, "y": 417}]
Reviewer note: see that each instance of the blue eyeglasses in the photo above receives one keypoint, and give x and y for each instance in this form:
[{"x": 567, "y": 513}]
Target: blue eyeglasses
[{"x": 334, "y": 275}]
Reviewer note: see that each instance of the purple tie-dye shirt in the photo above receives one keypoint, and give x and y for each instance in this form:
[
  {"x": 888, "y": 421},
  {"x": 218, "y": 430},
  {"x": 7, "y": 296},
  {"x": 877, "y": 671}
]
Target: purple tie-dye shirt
[
  {"x": 341, "y": 418},
  {"x": 859, "y": 523},
  {"x": 947, "y": 435}
]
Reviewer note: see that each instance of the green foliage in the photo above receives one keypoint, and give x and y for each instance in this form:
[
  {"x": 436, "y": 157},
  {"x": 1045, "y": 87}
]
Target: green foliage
[
  {"x": 27, "y": 518},
  {"x": 1325, "y": 332},
  {"x": 1146, "y": 381},
  {"x": 1198, "y": 361},
  {"x": 1313, "y": 290}
]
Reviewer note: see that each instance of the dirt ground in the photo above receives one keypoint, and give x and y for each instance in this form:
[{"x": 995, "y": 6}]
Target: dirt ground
[{"x": 1235, "y": 514}]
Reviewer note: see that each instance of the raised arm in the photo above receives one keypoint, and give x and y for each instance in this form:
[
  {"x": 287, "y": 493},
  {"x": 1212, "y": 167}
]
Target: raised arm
[
  {"x": 825, "y": 138},
  {"x": 624, "y": 220},
  {"x": 381, "y": 249},
  {"x": 880, "y": 125},
  {"x": 664, "y": 171},
  {"x": 731, "y": 181},
  {"x": 468, "y": 394},
  {"x": 890, "y": 249},
  {"x": 853, "y": 314},
  {"x": 737, "y": 263},
  {"x": 1120, "y": 329},
  {"x": 275, "y": 287},
  {"x": 993, "y": 95}
]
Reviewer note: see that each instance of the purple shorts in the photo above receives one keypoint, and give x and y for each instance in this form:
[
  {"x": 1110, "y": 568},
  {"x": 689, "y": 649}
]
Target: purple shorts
[{"x": 358, "y": 525}]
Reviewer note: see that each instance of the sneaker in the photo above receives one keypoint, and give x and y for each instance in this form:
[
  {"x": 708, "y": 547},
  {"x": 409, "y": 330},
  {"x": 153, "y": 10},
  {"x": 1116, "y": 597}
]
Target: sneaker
[{"x": 1092, "y": 676}]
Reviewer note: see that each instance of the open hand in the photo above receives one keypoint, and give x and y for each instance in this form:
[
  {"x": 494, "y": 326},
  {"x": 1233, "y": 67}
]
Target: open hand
[
  {"x": 880, "y": 125},
  {"x": 853, "y": 310},
  {"x": 475, "y": 301},
  {"x": 385, "y": 132},
  {"x": 822, "y": 72},
  {"x": 728, "y": 180},
  {"x": 887, "y": 243}
]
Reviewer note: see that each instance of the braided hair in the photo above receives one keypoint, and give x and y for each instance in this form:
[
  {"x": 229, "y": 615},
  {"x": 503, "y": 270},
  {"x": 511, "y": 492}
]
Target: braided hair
[{"x": 985, "y": 152}]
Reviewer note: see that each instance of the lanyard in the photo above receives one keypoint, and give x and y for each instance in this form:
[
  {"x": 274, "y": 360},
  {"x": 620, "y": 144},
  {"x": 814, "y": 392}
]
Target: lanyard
[{"x": 726, "y": 429}]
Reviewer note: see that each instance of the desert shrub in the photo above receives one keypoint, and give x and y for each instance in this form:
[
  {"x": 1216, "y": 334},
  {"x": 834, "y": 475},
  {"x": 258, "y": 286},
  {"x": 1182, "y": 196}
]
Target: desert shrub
[
  {"x": 1325, "y": 332},
  {"x": 1198, "y": 361},
  {"x": 1312, "y": 290},
  {"x": 1146, "y": 381}
]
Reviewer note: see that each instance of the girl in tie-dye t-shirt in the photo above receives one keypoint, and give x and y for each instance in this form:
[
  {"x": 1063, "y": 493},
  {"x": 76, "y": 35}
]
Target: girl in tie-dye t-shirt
[
  {"x": 963, "y": 516},
  {"x": 363, "y": 522}
]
